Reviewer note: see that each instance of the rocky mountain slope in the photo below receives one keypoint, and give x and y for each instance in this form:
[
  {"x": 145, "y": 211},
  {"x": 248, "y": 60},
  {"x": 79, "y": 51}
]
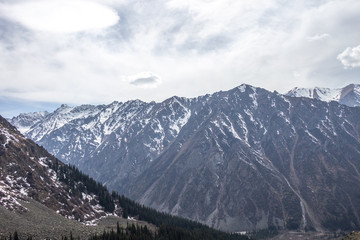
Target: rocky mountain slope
[
  {"x": 237, "y": 160},
  {"x": 286, "y": 162},
  {"x": 349, "y": 95},
  {"x": 28, "y": 171},
  {"x": 43, "y": 198}
]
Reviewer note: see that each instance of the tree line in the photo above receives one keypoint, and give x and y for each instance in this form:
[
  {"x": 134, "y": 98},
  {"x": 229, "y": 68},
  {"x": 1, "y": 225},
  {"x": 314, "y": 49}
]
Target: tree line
[{"x": 139, "y": 232}]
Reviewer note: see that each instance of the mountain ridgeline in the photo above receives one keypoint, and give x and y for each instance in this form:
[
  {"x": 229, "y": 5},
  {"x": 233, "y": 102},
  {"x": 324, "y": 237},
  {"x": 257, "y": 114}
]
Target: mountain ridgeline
[
  {"x": 349, "y": 95},
  {"x": 31, "y": 179},
  {"x": 242, "y": 159}
]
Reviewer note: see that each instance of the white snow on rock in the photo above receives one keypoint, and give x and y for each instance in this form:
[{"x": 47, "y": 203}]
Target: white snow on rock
[
  {"x": 9, "y": 137},
  {"x": 25, "y": 121},
  {"x": 42, "y": 161},
  {"x": 350, "y": 92},
  {"x": 242, "y": 88},
  {"x": 12, "y": 191},
  {"x": 178, "y": 123}
]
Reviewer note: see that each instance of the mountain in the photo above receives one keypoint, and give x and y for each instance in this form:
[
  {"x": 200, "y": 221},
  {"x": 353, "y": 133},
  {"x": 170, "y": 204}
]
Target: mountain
[
  {"x": 254, "y": 159},
  {"x": 35, "y": 186},
  {"x": 349, "y": 95},
  {"x": 28, "y": 171},
  {"x": 80, "y": 135},
  {"x": 236, "y": 160},
  {"x": 25, "y": 121},
  {"x": 41, "y": 197}
]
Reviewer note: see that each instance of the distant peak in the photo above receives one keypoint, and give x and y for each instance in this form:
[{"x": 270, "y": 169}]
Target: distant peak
[
  {"x": 63, "y": 107},
  {"x": 176, "y": 99},
  {"x": 42, "y": 113},
  {"x": 348, "y": 95},
  {"x": 136, "y": 101}
]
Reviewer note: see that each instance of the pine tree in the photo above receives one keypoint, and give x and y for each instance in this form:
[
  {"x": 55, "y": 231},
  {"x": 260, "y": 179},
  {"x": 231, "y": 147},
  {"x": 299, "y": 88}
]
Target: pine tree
[
  {"x": 117, "y": 228},
  {"x": 16, "y": 236}
]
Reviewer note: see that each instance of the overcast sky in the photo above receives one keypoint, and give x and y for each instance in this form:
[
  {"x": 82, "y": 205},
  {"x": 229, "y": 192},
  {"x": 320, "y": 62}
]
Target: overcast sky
[{"x": 96, "y": 52}]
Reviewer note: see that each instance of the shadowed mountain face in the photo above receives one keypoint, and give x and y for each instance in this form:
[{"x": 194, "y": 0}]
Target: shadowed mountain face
[
  {"x": 257, "y": 159},
  {"x": 236, "y": 160}
]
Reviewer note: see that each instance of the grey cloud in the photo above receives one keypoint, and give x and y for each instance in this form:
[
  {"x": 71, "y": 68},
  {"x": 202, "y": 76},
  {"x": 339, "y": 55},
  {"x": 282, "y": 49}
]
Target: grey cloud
[
  {"x": 11, "y": 31},
  {"x": 201, "y": 45},
  {"x": 171, "y": 25},
  {"x": 212, "y": 43},
  {"x": 146, "y": 81}
]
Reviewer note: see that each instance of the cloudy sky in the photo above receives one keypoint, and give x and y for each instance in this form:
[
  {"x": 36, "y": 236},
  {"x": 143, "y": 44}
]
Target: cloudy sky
[{"x": 98, "y": 51}]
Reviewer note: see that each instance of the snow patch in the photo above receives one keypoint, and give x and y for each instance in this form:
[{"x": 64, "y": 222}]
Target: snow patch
[
  {"x": 242, "y": 88},
  {"x": 9, "y": 137},
  {"x": 314, "y": 139},
  {"x": 12, "y": 191},
  {"x": 286, "y": 118},
  {"x": 42, "y": 161},
  {"x": 178, "y": 124},
  {"x": 249, "y": 113},
  {"x": 253, "y": 97}
]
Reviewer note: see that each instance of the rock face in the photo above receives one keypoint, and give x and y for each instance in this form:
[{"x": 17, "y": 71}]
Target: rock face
[
  {"x": 238, "y": 160},
  {"x": 29, "y": 172},
  {"x": 349, "y": 95}
]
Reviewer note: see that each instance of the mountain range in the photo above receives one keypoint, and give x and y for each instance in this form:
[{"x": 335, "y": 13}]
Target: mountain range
[
  {"x": 235, "y": 160},
  {"x": 43, "y": 198}
]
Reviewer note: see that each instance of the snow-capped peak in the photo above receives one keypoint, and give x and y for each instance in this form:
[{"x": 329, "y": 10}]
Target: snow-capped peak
[
  {"x": 323, "y": 94},
  {"x": 24, "y": 121},
  {"x": 349, "y": 95}
]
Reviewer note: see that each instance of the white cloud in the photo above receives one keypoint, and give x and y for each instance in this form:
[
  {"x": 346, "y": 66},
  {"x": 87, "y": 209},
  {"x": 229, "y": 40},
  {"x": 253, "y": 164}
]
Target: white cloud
[
  {"x": 350, "y": 57},
  {"x": 61, "y": 15},
  {"x": 196, "y": 47}
]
